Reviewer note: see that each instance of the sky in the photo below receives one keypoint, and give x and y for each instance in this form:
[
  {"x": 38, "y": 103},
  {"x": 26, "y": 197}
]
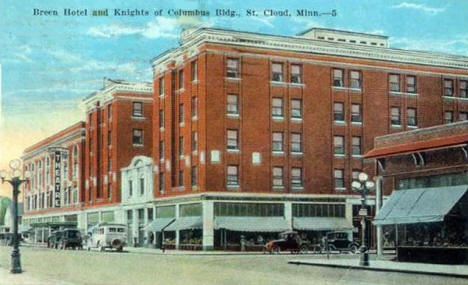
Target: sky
[{"x": 49, "y": 63}]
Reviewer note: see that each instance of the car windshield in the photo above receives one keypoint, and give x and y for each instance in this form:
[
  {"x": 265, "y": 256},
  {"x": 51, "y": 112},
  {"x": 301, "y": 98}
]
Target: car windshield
[{"x": 73, "y": 234}]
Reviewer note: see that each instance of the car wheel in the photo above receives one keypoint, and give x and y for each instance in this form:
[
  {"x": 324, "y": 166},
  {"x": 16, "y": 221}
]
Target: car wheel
[
  {"x": 119, "y": 249},
  {"x": 303, "y": 249},
  {"x": 276, "y": 249},
  {"x": 89, "y": 248},
  {"x": 354, "y": 249}
]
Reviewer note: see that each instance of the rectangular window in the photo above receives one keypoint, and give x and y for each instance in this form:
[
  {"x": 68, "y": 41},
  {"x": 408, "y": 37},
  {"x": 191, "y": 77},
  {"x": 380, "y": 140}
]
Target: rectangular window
[
  {"x": 463, "y": 88},
  {"x": 181, "y": 145},
  {"x": 194, "y": 107},
  {"x": 233, "y": 104},
  {"x": 194, "y": 69},
  {"x": 109, "y": 112},
  {"x": 339, "y": 178},
  {"x": 181, "y": 178},
  {"x": 356, "y": 81},
  {"x": 109, "y": 138},
  {"x": 142, "y": 185},
  {"x": 161, "y": 149},
  {"x": 181, "y": 79},
  {"x": 232, "y": 68},
  {"x": 296, "y": 142},
  {"x": 130, "y": 188},
  {"x": 296, "y": 177},
  {"x": 296, "y": 108},
  {"x": 356, "y": 116},
  {"x": 137, "y": 109},
  {"x": 357, "y": 150},
  {"x": 181, "y": 113},
  {"x": 233, "y": 175},
  {"x": 355, "y": 175},
  {"x": 109, "y": 164},
  {"x": 277, "y": 108},
  {"x": 137, "y": 137},
  {"x": 448, "y": 87},
  {"x": 296, "y": 73},
  {"x": 394, "y": 82},
  {"x": 412, "y": 117},
  {"x": 277, "y": 72},
  {"x": 277, "y": 141},
  {"x": 448, "y": 118},
  {"x": 161, "y": 86},
  {"x": 278, "y": 176},
  {"x": 194, "y": 141},
  {"x": 338, "y": 111},
  {"x": 411, "y": 84},
  {"x": 194, "y": 176},
  {"x": 232, "y": 140},
  {"x": 338, "y": 145},
  {"x": 338, "y": 78},
  {"x": 161, "y": 182},
  {"x": 463, "y": 116},
  {"x": 395, "y": 116}
]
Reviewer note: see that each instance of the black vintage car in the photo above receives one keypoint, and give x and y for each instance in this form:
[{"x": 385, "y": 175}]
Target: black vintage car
[
  {"x": 53, "y": 239},
  {"x": 289, "y": 241},
  {"x": 340, "y": 241},
  {"x": 70, "y": 238}
]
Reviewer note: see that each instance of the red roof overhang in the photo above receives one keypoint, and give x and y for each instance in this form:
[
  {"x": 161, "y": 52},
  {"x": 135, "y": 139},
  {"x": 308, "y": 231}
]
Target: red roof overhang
[{"x": 433, "y": 144}]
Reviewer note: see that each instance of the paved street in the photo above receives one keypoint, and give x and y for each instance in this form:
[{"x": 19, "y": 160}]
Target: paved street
[{"x": 46, "y": 266}]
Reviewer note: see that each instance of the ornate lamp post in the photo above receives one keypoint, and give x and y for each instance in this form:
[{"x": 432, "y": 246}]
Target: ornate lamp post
[
  {"x": 363, "y": 186},
  {"x": 15, "y": 181}
]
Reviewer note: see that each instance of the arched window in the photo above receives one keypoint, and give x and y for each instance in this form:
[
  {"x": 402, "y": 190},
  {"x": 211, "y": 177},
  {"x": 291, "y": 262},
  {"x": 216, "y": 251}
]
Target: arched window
[
  {"x": 142, "y": 184},
  {"x": 47, "y": 170},
  {"x": 75, "y": 162},
  {"x": 40, "y": 173}
]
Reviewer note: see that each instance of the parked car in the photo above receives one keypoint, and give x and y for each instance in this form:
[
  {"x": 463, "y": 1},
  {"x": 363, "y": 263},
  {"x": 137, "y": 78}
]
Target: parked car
[
  {"x": 340, "y": 241},
  {"x": 70, "y": 238},
  {"x": 106, "y": 235},
  {"x": 54, "y": 239},
  {"x": 289, "y": 241}
]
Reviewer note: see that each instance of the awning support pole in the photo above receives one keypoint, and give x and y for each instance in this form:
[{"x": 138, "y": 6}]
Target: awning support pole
[{"x": 378, "y": 206}]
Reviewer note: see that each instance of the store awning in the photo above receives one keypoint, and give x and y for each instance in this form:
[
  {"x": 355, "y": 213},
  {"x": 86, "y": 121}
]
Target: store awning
[
  {"x": 422, "y": 205},
  {"x": 252, "y": 224},
  {"x": 23, "y": 229},
  {"x": 53, "y": 224},
  {"x": 322, "y": 224},
  {"x": 186, "y": 223},
  {"x": 157, "y": 225}
]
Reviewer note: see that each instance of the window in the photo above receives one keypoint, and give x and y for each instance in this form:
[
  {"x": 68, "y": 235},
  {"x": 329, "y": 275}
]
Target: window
[
  {"x": 109, "y": 112},
  {"x": 277, "y": 72},
  {"x": 232, "y": 68},
  {"x": 161, "y": 182},
  {"x": 232, "y": 140},
  {"x": 296, "y": 108},
  {"x": 463, "y": 116},
  {"x": 161, "y": 118},
  {"x": 296, "y": 73},
  {"x": 411, "y": 84},
  {"x": 194, "y": 176},
  {"x": 463, "y": 88},
  {"x": 109, "y": 163},
  {"x": 181, "y": 113},
  {"x": 109, "y": 138},
  {"x": 137, "y": 137},
  {"x": 277, "y": 107},
  {"x": 412, "y": 118},
  {"x": 296, "y": 177},
  {"x": 194, "y": 69},
  {"x": 339, "y": 178},
  {"x": 338, "y": 111},
  {"x": 233, "y": 175},
  {"x": 181, "y": 145},
  {"x": 448, "y": 87},
  {"x": 395, "y": 116},
  {"x": 448, "y": 118},
  {"x": 161, "y": 86},
  {"x": 355, "y": 175},
  {"x": 356, "y": 116},
  {"x": 394, "y": 82},
  {"x": 338, "y": 78},
  {"x": 338, "y": 145},
  {"x": 296, "y": 142},
  {"x": 181, "y": 178},
  {"x": 277, "y": 141},
  {"x": 47, "y": 171},
  {"x": 194, "y": 141},
  {"x": 137, "y": 109},
  {"x": 142, "y": 185},
  {"x": 356, "y": 81},
  {"x": 233, "y": 104},
  {"x": 357, "y": 150},
  {"x": 130, "y": 188},
  {"x": 278, "y": 176},
  {"x": 194, "y": 107},
  {"x": 181, "y": 79},
  {"x": 161, "y": 149}
]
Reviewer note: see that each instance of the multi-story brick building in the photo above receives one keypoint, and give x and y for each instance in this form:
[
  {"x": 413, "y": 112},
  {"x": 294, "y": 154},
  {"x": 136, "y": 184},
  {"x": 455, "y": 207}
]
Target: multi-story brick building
[{"x": 267, "y": 126}]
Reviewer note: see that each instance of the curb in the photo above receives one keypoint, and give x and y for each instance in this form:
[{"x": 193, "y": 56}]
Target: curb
[{"x": 464, "y": 276}]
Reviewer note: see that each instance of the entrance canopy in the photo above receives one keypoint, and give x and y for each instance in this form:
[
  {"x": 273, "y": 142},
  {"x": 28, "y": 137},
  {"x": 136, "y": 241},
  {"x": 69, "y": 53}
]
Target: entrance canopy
[
  {"x": 186, "y": 223},
  {"x": 423, "y": 205},
  {"x": 252, "y": 224},
  {"x": 157, "y": 225},
  {"x": 322, "y": 224},
  {"x": 53, "y": 224}
]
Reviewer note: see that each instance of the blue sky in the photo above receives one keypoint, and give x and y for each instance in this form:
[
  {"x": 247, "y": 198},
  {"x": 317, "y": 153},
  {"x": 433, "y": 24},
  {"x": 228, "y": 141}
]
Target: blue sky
[{"x": 49, "y": 63}]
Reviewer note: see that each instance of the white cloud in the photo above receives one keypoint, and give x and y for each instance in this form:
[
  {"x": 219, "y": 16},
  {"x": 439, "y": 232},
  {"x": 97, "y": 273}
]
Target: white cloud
[
  {"x": 268, "y": 21},
  {"x": 419, "y": 7},
  {"x": 21, "y": 54}
]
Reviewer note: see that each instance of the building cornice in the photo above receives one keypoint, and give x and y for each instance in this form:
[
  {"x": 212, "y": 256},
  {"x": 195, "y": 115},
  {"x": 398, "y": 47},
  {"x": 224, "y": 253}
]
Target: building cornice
[{"x": 80, "y": 133}]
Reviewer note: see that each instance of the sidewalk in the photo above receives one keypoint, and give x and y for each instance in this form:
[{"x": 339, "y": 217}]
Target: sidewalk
[
  {"x": 460, "y": 271},
  {"x": 25, "y": 278}
]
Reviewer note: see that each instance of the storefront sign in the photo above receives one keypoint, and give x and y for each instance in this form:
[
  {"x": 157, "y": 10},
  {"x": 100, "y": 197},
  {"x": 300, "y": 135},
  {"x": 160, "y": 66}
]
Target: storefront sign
[
  {"x": 58, "y": 177},
  {"x": 363, "y": 212}
]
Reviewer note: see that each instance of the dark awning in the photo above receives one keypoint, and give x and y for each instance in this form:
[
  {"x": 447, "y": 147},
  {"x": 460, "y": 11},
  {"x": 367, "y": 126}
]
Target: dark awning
[
  {"x": 422, "y": 205},
  {"x": 157, "y": 225},
  {"x": 322, "y": 224}
]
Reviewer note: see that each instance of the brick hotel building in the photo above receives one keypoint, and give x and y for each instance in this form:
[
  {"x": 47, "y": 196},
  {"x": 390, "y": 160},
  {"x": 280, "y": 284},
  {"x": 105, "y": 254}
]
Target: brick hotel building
[{"x": 255, "y": 134}]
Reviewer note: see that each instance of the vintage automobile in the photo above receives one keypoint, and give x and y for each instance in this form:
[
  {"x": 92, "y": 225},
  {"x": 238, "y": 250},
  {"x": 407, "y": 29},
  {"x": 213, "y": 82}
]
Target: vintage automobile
[
  {"x": 340, "y": 241},
  {"x": 105, "y": 235},
  {"x": 70, "y": 238},
  {"x": 54, "y": 239},
  {"x": 289, "y": 241}
]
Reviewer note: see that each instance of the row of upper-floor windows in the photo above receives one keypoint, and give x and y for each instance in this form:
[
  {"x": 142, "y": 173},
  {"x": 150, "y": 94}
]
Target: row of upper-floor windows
[
  {"x": 339, "y": 145},
  {"x": 45, "y": 200},
  {"x": 339, "y": 177},
  {"x": 137, "y": 112},
  {"x": 449, "y": 116}
]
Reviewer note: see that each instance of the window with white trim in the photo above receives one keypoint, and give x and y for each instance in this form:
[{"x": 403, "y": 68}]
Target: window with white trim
[
  {"x": 278, "y": 176},
  {"x": 278, "y": 142},
  {"x": 296, "y": 177},
  {"x": 277, "y": 72}
]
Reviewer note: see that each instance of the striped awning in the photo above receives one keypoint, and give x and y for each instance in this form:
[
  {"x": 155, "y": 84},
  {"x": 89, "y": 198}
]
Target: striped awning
[
  {"x": 252, "y": 224},
  {"x": 157, "y": 225},
  {"x": 186, "y": 223},
  {"x": 321, "y": 224}
]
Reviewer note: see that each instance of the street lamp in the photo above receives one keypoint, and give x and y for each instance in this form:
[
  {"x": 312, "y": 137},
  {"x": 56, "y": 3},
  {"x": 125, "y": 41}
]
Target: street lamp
[
  {"x": 15, "y": 180},
  {"x": 363, "y": 186}
]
